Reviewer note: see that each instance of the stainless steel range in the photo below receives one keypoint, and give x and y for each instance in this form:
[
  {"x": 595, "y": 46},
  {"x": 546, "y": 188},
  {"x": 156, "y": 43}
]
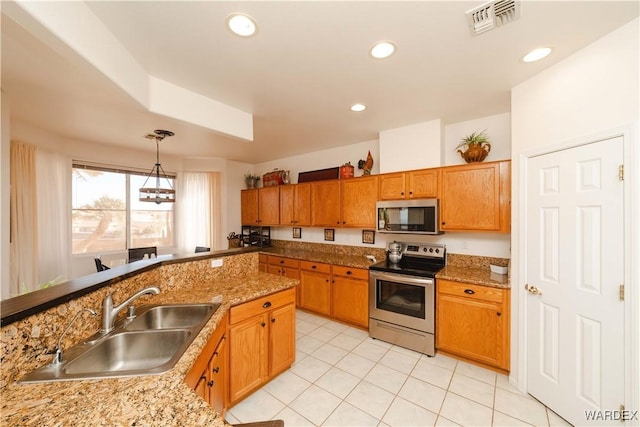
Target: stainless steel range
[{"x": 402, "y": 296}]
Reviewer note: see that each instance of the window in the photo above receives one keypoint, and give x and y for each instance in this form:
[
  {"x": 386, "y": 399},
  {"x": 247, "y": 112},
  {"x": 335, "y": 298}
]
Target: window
[{"x": 107, "y": 216}]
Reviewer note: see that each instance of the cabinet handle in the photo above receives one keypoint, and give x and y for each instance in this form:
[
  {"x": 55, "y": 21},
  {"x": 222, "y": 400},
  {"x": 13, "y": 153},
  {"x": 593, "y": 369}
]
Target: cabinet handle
[
  {"x": 216, "y": 369},
  {"x": 210, "y": 383},
  {"x": 499, "y": 314},
  {"x": 266, "y": 304},
  {"x": 469, "y": 291},
  {"x": 263, "y": 324},
  {"x": 443, "y": 223},
  {"x": 349, "y": 273},
  {"x": 273, "y": 320},
  {"x": 281, "y": 261},
  {"x": 402, "y": 193},
  {"x": 410, "y": 193},
  {"x": 313, "y": 267},
  {"x": 203, "y": 378},
  {"x": 326, "y": 280}
]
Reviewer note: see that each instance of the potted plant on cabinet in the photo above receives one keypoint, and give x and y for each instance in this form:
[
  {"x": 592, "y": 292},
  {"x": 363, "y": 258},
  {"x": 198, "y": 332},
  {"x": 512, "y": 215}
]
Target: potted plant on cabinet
[
  {"x": 251, "y": 180},
  {"x": 477, "y": 147}
]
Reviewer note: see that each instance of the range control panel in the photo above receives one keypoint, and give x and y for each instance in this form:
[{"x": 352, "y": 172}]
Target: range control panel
[{"x": 424, "y": 250}]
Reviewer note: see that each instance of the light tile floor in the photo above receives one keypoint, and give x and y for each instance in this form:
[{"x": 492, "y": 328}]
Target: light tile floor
[{"x": 342, "y": 377}]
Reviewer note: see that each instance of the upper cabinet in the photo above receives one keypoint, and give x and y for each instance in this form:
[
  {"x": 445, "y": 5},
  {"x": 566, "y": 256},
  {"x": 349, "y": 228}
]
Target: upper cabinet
[
  {"x": 260, "y": 206},
  {"x": 344, "y": 203},
  {"x": 359, "y": 197},
  {"x": 476, "y": 197},
  {"x": 295, "y": 205},
  {"x": 417, "y": 184}
]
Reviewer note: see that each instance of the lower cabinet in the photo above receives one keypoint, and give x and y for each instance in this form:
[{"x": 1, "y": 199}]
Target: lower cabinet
[
  {"x": 472, "y": 321},
  {"x": 336, "y": 291},
  {"x": 261, "y": 342},
  {"x": 208, "y": 376}
]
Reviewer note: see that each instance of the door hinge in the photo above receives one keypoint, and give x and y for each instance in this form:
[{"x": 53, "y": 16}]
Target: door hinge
[
  {"x": 621, "y": 292},
  {"x": 621, "y": 173}
]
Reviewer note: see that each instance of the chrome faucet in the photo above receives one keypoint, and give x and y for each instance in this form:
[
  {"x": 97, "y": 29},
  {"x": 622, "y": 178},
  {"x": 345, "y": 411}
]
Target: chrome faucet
[
  {"x": 109, "y": 312},
  {"x": 57, "y": 357}
]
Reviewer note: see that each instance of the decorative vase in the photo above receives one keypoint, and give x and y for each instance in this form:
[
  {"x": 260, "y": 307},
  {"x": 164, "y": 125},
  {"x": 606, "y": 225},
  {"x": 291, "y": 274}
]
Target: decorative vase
[
  {"x": 251, "y": 182},
  {"x": 475, "y": 152}
]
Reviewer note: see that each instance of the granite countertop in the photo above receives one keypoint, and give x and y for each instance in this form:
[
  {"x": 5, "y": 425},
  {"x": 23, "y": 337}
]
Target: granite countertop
[
  {"x": 474, "y": 276},
  {"x": 357, "y": 261},
  {"x": 146, "y": 400}
]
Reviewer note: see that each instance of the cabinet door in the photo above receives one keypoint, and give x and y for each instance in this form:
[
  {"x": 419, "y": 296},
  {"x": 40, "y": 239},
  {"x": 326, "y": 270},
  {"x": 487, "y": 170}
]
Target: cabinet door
[
  {"x": 315, "y": 291},
  {"x": 422, "y": 183},
  {"x": 392, "y": 186},
  {"x": 282, "y": 339},
  {"x": 248, "y": 356},
  {"x": 325, "y": 204},
  {"x": 350, "y": 299},
  {"x": 471, "y": 198},
  {"x": 302, "y": 205},
  {"x": 249, "y": 207},
  {"x": 201, "y": 387},
  {"x": 287, "y": 201},
  {"x": 217, "y": 377},
  {"x": 359, "y": 197},
  {"x": 269, "y": 208}
]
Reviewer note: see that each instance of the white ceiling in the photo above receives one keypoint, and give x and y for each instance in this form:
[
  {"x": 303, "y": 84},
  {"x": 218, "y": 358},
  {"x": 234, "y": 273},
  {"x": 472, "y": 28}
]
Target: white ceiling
[{"x": 298, "y": 76}]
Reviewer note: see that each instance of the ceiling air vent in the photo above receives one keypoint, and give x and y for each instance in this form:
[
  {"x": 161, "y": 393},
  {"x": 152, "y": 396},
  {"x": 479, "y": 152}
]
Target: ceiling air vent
[{"x": 493, "y": 14}]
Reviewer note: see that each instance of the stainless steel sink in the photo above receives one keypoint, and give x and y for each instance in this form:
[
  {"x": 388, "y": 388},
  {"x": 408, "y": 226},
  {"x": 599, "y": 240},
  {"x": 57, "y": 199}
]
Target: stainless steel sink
[
  {"x": 171, "y": 316},
  {"x": 152, "y": 343}
]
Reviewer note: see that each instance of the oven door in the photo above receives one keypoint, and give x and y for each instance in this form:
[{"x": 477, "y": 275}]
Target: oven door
[{"x": 403, "y": 300}]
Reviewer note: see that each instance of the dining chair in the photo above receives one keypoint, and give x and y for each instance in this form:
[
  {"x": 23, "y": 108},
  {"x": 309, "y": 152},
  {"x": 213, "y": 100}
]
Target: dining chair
[
  {"x": 136, "y": 254},
  {"x": 202, "y": 249},
  {"x": 99, "y": 265}
]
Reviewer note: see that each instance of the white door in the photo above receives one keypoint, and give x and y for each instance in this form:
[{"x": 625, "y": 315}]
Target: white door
[{"x": 574, "y": 262}]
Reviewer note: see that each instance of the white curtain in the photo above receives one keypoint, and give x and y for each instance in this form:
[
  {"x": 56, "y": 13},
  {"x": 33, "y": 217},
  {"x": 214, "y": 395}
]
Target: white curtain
[
  {"x": 193, "y": 210},
  {"x": 23, "y": 247},
  {"x": 53, "y": 188}
]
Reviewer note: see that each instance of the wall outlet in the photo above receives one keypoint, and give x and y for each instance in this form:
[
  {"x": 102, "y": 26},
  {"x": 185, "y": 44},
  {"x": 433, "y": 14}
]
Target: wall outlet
[{"x": 216, "y": 263}]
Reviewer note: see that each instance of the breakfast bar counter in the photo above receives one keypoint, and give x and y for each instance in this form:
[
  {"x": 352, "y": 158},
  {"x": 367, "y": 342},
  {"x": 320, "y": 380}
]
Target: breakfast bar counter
[{"x": 161, "y": 400}]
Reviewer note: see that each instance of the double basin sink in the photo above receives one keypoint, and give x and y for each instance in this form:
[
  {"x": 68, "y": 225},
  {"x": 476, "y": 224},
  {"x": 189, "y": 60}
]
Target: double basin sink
[{"x": 151, "y": 343}]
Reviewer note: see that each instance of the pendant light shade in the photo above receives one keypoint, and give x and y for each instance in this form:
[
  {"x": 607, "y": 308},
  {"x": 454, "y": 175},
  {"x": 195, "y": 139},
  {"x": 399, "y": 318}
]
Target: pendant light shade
[{"x": 157, "y": 194}]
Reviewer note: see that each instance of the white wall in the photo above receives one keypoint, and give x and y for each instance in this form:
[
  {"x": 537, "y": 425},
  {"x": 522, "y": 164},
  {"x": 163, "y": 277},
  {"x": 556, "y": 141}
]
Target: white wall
[
  {"x": 417, "y": 146},
  {"x": 590, "y": 92},
  {"x": 5, "y": 148},
  {"x": 498, "y": 131}
]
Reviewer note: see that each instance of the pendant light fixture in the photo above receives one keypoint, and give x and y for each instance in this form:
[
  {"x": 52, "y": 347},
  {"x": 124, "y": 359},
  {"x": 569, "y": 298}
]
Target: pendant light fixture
[{"x": 158, "y": 194}]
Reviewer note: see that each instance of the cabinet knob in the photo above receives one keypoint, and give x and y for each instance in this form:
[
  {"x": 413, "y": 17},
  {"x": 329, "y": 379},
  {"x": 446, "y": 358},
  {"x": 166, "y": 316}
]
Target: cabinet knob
[
  {"x": 443, "y": 223},
  {"x": 266, "y": 304},
  {"x": 313, "y": 267},
  {"x": 499, "y": 314},
  {"x": 326, "y": 280},
  {"x": 402, "y": 194},
  {"x": 281, "y": 261},
  {"x": 469, "y": 291},
  {"x": 216, "y": 369},
  {"x": 273, "y": 320},
  {"x": 210, "y": 383},
  {"x": 349, "y": 273},
  {"x": 263, "y": 324}
]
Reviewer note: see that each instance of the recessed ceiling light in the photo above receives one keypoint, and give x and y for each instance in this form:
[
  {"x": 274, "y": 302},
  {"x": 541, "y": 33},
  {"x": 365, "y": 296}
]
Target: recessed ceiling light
[
  {"x": 241, "y": 24},
  {"x": 537, "y": 54},
  {"x": 358, "y": 107},
  {"x": 382, "y": 50}
]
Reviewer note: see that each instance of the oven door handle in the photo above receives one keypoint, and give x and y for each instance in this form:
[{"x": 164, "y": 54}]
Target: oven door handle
[{"x": 401, "y": 278}]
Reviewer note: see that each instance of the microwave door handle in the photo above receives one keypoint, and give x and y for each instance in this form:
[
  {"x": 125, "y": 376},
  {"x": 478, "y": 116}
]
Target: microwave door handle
[{"x": 402, "y": 278}]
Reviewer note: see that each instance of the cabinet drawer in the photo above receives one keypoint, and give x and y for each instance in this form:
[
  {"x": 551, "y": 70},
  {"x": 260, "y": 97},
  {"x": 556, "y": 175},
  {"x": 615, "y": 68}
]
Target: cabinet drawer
[
  {"x": 485, "y": 293},
  {"x": 287, "y": 262},
  {"x": 261, "y": 305},
  {"x": 315, "y": 266},
  {"x": 355, "y": 273},
  {"x": 262, "y": 258}
]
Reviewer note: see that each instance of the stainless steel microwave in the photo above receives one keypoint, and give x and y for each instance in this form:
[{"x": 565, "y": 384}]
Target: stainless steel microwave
[{"x": 416, "y": 216}]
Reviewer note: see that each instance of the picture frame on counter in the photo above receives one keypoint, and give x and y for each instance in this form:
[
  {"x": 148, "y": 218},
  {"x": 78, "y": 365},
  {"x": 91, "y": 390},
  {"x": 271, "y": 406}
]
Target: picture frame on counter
[
  {"x": 297, "y": 233},
  {"x": 368, "y": 236},
  {"x": 329, "y": 234}
]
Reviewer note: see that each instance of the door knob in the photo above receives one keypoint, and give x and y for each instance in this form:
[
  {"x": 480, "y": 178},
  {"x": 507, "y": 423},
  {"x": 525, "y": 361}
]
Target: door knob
[{"x": 533, "y": 290}]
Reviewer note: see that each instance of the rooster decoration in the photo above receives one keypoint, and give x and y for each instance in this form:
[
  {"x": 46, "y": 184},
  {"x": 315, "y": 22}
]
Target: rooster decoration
[{"x": 366, "y": 165}]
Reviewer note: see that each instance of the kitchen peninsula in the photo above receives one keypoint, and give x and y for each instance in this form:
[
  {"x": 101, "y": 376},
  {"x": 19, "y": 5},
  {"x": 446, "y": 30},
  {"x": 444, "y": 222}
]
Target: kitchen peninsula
[{"x": 146, "y": 400}]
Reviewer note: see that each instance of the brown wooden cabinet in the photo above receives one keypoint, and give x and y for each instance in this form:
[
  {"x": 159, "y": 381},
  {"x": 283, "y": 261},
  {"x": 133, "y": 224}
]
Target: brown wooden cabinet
[
  {"x": 476, "y": 197},
  {"x": 261, "y": 342},
  {"x": 472, "y": 321},
  {"x": 325, "y": 204},
  {"x": 260, "y": 206},
  {"x": 282, "y": 266},
  {"x": 295, "y": 205},
  {"x": 358, "y": 202},
  {"x": 209, "y": 375},
  {"x": 422, "y": 183},
  {"x": 315, "y": 287},
  {"x": 350, "y": 295}
]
